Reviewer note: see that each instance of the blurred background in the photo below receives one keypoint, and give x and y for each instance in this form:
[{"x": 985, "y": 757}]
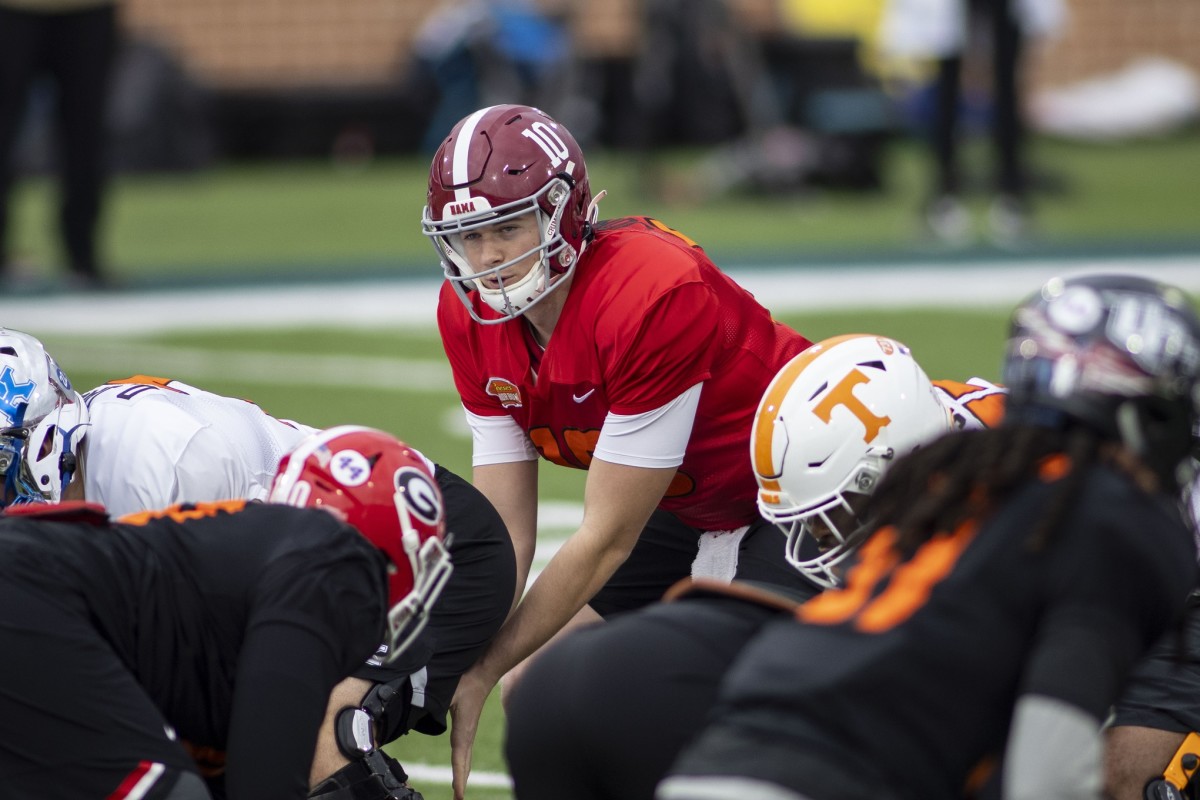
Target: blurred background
[
  {"x": 273, "y": 139},
  {"x": 900, "y": 167}
]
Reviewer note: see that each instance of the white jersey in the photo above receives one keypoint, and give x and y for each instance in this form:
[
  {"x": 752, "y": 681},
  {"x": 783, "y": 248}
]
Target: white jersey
[{"x": 154, "y": 442}]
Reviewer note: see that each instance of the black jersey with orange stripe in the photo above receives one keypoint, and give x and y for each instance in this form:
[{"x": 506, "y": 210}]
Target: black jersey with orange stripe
[
  {"x": 236, "y": 619},
  {"x": 906, "y": 678}
]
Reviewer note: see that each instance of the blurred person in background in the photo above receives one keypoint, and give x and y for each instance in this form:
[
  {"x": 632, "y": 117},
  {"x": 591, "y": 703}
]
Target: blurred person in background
[
  {"x": 147, "y": 443},
  {"x": 72, "y": 44},
  {"x": 950, "y": 32},
  {"x": 616, "y": 347},
  {"x": 480, "y": 52},
  {"x": 1012, "y": 578},
  {"x": 190, "y": 652},
  {"x": 603, "y": 712}
]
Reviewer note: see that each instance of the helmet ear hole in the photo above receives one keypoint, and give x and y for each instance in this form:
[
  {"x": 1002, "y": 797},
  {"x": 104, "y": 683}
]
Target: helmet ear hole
[{"x": 48, "y": 442}]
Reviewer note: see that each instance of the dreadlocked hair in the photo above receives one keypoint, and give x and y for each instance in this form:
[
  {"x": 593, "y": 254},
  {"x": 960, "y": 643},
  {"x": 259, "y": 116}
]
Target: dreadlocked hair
[{"x": 967, "y": 475}]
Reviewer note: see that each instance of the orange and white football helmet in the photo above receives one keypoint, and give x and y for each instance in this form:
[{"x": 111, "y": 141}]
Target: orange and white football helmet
[{"x": 826, "y": 429}]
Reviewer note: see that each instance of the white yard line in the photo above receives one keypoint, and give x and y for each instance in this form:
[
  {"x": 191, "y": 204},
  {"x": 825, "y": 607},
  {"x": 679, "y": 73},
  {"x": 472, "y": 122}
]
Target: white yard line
[
  {"x": 412, "y": 304},
  {"x": 274, "y": 369},
  {"x": 407, "y": 304},
  {"x": 432, "y": 773}
]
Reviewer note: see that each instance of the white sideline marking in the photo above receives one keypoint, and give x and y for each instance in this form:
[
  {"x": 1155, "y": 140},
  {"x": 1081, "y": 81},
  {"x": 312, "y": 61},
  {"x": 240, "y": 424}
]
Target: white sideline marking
[
  {"x": 431, "y": 773},
  {"x": 413, "y": 304},
  {"x": 275, "y": 369}
]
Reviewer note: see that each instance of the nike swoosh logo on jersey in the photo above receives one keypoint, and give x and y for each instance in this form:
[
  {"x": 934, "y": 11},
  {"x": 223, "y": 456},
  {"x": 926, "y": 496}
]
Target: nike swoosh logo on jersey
[{"x": 579, "y": 398}]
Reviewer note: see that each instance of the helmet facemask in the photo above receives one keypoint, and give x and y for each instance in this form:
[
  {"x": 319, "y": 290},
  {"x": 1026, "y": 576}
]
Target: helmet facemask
[
  {"x": 553, "y": 257},
  {"x": 826, "y": 430},
  {"x": 431, "y": 568},
  {"x": 388, "y": 492},
  {"x": 20, "y": 487},
  {"x": 833, "y": 528}
]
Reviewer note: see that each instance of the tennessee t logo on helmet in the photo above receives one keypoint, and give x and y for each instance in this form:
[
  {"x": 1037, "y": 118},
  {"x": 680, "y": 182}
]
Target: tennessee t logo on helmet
[
  {"x": 813, "y": 461},
  {"x": 842, "y": 394}
]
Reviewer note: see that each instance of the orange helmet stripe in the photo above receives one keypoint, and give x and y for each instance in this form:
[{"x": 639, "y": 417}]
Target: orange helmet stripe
[{"x": 763, "y": 433}]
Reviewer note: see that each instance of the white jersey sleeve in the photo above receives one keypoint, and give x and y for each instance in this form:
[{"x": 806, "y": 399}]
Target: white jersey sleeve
[
  {"x": 497, "y": 440},
  {"x": 657, "y": 439},
  {"x": 152, "y": 445}
]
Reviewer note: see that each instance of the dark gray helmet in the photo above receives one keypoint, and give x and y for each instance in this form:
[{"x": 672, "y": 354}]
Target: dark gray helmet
[{"x": 1117, "y": 353}]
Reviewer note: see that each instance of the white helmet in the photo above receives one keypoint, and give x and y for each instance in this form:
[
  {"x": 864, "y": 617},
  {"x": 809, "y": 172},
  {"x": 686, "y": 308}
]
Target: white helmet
[
  {"x": 827, "y": 427},
  {"x": 42, "y": 420}
]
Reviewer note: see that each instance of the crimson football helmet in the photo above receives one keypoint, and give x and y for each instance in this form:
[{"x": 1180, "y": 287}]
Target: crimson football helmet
[
  {"x": 1119, "y": 354},
  {"x": 497, "y": 164},
  {"x": 386, "y": 490},
  {"x": 828, "y": 426},
  {"x": 42, "y": 422}
]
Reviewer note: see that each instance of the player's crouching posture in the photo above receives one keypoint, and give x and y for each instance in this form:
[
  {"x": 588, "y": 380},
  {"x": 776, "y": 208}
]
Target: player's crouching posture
[
  {"x": 1013, "y": 578},
  {"x": 605, "y": 710},
  {"x": 617, "y": 347},
  {"x": 150, "y": 442},
  {"x": 173, "y": 652}
]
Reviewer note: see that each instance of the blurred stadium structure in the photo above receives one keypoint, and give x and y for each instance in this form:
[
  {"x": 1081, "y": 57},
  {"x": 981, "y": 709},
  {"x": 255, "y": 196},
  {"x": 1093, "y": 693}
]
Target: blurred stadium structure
[{"x": 218, "y": 79}]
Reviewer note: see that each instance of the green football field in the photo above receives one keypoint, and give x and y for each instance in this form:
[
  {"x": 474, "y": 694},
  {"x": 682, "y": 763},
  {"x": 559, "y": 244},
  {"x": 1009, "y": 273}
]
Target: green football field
[
  {"x": 242, "y": 224},
  {"x": 951, "y": 344}
]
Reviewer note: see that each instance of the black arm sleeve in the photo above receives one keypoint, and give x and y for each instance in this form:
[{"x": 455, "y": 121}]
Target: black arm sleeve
[
  {"x": 1112, "y": 587},
  {"x": 285, "y": 675},
  {"x": 1081, "y": 657}
]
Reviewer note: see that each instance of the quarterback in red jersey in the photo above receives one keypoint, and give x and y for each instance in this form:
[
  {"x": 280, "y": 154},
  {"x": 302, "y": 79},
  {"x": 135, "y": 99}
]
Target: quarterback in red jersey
[{"x": 615, "y": 347}]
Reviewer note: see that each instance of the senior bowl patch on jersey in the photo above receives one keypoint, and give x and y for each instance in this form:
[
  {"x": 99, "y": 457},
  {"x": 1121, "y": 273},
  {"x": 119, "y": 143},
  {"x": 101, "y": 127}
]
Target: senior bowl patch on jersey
[{"x": 504, "y": 390}]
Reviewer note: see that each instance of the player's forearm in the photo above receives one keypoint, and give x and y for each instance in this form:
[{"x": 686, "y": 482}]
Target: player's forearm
[
  {"x": 566, "y": 584},
  {"x": 328, "y": 758},
  {"x": 512, "y": 489}
]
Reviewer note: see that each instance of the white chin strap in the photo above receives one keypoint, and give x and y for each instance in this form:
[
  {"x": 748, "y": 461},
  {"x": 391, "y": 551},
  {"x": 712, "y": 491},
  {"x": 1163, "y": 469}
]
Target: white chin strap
[{"x": 513, "y": 299}]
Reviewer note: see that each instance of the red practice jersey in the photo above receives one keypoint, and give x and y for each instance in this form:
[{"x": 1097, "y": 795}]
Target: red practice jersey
[{"x": 647, "y": 317}]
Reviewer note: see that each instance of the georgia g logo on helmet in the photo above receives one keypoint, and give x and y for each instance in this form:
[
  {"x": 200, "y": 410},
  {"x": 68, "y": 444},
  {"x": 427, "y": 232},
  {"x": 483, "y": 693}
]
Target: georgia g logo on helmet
[{"x": 421, "y": 498}]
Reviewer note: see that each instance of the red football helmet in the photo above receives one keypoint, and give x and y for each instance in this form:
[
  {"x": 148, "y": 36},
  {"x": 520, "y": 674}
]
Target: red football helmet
[
  {"x": 386, "y": 490},
  {"x": 499, "y": 163}
]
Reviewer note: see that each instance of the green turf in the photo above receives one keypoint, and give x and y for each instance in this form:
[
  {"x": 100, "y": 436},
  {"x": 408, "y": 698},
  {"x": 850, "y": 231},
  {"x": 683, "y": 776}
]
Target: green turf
[
  {"x": 305, "y": 219},
  {"x": 313, "y": 220},
  {"x": 950, "y": 344}
]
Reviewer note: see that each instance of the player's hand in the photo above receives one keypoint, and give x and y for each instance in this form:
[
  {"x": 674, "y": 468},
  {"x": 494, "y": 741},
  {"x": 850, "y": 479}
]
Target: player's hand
[{"x": 465, "y": 710}]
